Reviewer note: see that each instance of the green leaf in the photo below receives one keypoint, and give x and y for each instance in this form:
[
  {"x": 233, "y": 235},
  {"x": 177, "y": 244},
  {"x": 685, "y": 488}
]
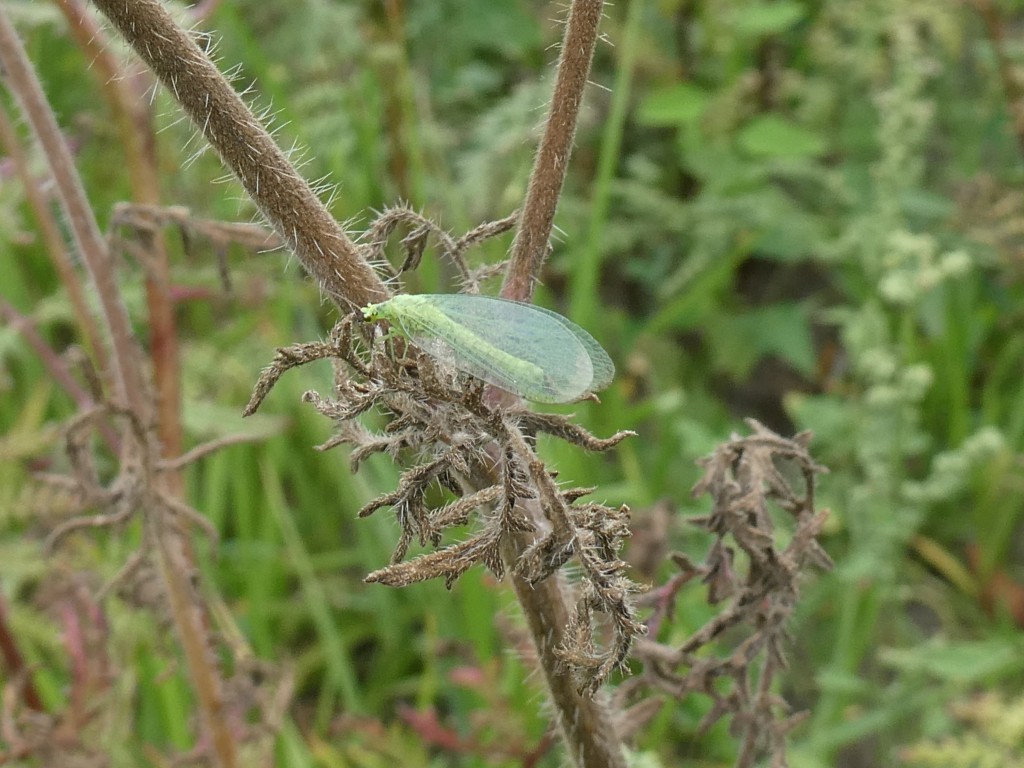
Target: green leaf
[
  {"x": 678, "y": 104},
  {"x": 763, "y": 19},
  {"x": 830, "y": 416},
  {"x": 508, "y": 27},
  {"x": 739, "y": 341},
  {"x": 964, "y": 662},
  {"x": 775, "y": 136}
]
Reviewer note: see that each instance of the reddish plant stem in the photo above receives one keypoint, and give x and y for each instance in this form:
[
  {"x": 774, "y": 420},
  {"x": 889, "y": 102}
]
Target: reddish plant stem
[
  {"x": 530, "y": 248},
  {"x": 395, "y": 71},
  {"x": 53, "y": 240},
  {"x": 125, "y": 96},
  {"x": 56, "y": 367},
  {"x": 174, "y": 564},
  {"x": 128, "y": 383},
  {"x": 15, "y": 662}
]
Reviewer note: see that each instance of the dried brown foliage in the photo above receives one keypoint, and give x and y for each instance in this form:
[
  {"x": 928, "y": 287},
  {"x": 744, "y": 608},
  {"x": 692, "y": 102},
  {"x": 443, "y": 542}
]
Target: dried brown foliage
[
  {"x": 754, "y": 577},
  {"x": 439, "y": 424}
]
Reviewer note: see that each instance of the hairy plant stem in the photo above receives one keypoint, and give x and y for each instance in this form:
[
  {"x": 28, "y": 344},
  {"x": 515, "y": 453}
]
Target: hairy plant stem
[
  {"x": 587, "y": 729},
  {"x": 283, "y": 196},
  {"x": 129, "y": 387},
  {"x": 530, "y": 247}
]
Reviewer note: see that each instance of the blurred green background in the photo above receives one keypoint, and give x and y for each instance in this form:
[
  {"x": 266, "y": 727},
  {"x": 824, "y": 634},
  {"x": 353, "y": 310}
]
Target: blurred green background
[{"x": 804, "y": 211}]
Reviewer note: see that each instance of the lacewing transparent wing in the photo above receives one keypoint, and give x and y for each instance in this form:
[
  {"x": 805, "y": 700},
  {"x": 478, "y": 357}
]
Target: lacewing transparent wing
[{"x": 527, "y": 350}]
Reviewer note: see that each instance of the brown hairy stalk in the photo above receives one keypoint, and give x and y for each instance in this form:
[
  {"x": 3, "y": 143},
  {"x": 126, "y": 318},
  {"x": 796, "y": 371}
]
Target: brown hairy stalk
[
  {"x": 586, "y": 723},
  {"x": 530, "y": 248},
  {"x": 283, "y": 196}
]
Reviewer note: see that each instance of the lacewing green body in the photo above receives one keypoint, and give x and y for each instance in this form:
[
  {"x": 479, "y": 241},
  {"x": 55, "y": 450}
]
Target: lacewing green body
[{"x": 527, "y": 350}]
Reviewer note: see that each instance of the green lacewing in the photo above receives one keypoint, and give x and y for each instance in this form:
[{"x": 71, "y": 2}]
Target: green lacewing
[{"x": 524, "y": 349}]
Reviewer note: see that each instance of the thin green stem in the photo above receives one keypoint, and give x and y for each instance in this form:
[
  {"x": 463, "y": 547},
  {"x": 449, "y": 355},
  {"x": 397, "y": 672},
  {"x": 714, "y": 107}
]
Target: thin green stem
[{"x": 587, "y": 264}]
